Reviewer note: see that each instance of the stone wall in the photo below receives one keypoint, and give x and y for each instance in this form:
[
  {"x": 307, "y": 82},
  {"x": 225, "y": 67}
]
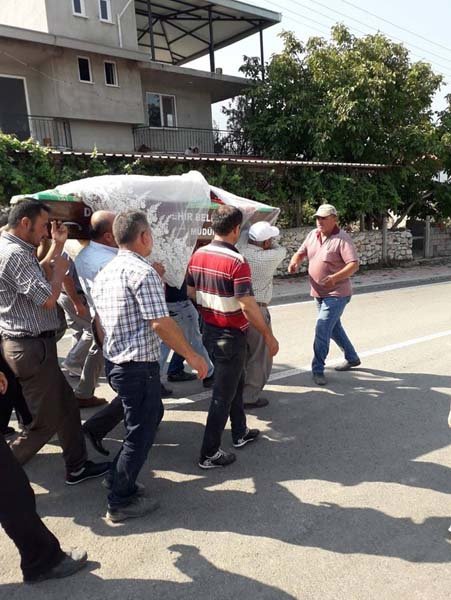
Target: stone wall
[
  {"x": 440, "y": 241},
  {"x": 368, "y": 244}
]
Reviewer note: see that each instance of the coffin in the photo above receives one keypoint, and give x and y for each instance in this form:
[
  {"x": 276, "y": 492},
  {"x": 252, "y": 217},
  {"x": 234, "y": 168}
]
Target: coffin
[{"x": 178, "y": 208}]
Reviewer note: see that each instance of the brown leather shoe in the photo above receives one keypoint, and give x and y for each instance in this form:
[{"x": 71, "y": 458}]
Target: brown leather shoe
[{"x": 90, "y": 402}]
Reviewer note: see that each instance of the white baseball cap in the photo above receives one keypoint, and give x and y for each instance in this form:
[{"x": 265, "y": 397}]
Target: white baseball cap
[
  {"x": 325, "y": 210},
  {"x": 262, "y": 231}
]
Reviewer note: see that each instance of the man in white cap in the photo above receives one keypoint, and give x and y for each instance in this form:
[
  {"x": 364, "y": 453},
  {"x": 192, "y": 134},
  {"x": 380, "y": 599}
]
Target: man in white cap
[
  {"x": 263, "y": 256},
  {"x": 332, "y": 261}
]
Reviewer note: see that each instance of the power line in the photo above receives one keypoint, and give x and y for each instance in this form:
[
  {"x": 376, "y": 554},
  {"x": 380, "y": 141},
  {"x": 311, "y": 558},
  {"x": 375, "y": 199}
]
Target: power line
[
  {"x": 418, "y": 35},
  {"x": 446, "y": 59},
  {"x": 442, "y": 68}
]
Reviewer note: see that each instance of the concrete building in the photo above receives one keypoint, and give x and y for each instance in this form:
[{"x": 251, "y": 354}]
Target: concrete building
[{"x": 109, "y": 74}]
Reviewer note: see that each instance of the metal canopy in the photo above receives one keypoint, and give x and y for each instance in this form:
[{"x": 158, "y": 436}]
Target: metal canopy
[{"x": 178, "y": 31}]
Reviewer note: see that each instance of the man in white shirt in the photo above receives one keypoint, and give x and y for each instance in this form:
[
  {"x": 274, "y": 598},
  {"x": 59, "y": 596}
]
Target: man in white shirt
[
  {"x": 90, "y": 260},
  {"x": 101, "y": 249},
  {"x": 263, "y": 256}
]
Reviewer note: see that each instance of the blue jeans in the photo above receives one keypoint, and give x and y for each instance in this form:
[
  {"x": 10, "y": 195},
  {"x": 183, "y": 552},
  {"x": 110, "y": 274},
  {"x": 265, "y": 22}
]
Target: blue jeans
[
  {"x": 137, "y": 385},
  {"x": 187, "y": 318},
  {"x": 227, "y": 347},
  {"x": 328, "y": 326}
]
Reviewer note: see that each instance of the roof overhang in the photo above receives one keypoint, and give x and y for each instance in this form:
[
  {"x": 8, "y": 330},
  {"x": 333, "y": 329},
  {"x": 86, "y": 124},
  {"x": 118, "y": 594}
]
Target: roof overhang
[
  {"x": 184, "y": 30},
  {"x": 37, "y": 37},
  {"x": 221, "y": 87}
]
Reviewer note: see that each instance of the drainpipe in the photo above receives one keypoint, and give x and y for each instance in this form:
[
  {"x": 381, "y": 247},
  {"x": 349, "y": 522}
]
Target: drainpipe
[{"x": 119, "y": 17}]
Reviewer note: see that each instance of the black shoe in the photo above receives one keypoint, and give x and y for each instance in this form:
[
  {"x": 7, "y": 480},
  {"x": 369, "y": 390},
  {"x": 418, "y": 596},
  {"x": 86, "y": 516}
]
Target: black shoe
[
  {"x": 165, "y": 392},
  {"x": 259, "y": 403},
  {"x": 219, "y": 459},
  {"x": 347, "y": 365},
  {"x": 9, "y": 432},
  {"x": 249, "y": 436},
  {"x": 97, "y": 443},
  {"x": 319, "y": 378},
  {"x": 73, "y": 561},
  {"x": 208, "y": 381},
  {"x": 182, "y": 376},
  {"x": 88, "y": 471}
]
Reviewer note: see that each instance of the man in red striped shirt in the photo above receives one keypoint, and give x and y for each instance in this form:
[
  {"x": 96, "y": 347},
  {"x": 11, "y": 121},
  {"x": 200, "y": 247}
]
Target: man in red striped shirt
[{"x": 219, "y": 281}]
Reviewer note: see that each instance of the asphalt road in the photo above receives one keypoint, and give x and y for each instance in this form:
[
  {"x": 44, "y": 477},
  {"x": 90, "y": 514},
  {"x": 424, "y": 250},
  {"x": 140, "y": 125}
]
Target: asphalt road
[{"x": 345, "y": 496}]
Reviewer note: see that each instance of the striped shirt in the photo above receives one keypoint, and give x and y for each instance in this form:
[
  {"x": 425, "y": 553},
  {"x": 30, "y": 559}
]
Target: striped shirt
[
  {"x": 23, "y": 290},
  {"x": 220, "y": 275},
  {"x": 127, "y": 294}
]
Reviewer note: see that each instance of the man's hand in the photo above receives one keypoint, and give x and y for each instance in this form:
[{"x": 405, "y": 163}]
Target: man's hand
[
  {"x": 58, "y": 232},
  {"x": 198, "y": 363},
  {"x": 293, "y": 266},
  {"x": 295, "y": 261},
  {"x": 81, "y": 309},
  {"x": 3, "y": 383},
  {"x": 272, "y": 344},
  {"x": 329, "y": 282},
  {"x": 159, "y": 268}
]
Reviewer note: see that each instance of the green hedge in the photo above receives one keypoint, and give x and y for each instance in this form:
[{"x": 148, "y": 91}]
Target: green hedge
[{"x": 26, "y": 167}]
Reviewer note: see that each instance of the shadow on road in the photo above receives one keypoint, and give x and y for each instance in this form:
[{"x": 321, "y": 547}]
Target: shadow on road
[
  {"x": 226, "y": 585},
  {"x": 366, "y": 426}
]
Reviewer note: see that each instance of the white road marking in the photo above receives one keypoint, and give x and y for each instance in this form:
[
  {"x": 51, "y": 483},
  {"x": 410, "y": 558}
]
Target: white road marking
[
  {"x": 360, "y": 292},
  {"x": 307, "y": 368}
]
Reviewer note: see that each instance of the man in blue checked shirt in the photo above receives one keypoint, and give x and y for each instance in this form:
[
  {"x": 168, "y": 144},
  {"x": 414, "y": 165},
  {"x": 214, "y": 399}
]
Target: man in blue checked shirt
[{"x": 131, "y": 308}]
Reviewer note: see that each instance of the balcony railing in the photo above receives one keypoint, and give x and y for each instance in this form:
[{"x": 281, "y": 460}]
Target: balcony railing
[
  {"x": 48, "y": 131},
  {"x": 192, "y": 141}
]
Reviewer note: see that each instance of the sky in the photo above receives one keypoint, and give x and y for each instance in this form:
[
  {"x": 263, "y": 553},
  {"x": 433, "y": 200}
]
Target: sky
[{"x": 424, "y": 27}]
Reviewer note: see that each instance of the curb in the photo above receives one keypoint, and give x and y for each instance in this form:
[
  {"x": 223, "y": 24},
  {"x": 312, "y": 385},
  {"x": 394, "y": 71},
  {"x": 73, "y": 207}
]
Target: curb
[{"x": 365, "y": 289}]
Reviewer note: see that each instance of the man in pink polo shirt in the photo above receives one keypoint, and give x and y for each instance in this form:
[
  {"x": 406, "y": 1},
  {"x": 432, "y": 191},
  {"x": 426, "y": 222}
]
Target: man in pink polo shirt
[{"x": 332, "y": 261}]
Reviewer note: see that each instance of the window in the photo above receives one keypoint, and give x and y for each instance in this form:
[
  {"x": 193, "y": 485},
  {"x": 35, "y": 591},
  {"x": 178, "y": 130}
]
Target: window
[
  {"x": 78, "y": 8},
  {"x": 161, "y": 110},
  {"x": 111, "y": 74},
  {"x": 84, "y": 69},
  {"x": 105, "y": 10}
]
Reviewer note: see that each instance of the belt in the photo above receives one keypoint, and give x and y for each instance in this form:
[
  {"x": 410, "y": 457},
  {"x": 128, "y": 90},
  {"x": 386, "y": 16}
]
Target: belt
[
  {"x": 264, "y": 304},
  {"x": 42, "y": 335}
]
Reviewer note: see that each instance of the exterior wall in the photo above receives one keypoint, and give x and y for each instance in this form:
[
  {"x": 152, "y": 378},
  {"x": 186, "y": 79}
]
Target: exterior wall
[
  {"x": 61, "y": 21},
  {"x": 368, "y": 245},
  {"x": 96, "y": 101},
  {"x": 56, "y": 17},
  {"x": 193, "y": 105},
  {"x": 105, "y": 137},
  {"x": 441, "y": 241},
  {"x": 35, "y": 83},
  {"x": 30, "y": 14},
  {"x": 193, "y": 111},
  {"x": 54, "y": 88}
]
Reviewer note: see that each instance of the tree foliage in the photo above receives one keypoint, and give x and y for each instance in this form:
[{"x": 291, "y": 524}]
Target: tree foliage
[{"x": 350, "y": 99}]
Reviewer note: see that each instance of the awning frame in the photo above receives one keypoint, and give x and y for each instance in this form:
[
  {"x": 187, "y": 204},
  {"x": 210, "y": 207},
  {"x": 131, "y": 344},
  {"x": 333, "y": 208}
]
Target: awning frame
[{"x": 207, "y": 15}]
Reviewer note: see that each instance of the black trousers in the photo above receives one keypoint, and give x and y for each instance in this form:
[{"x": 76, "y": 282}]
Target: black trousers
[
  {"x": 106, "y": 419},
  {"x": 38, "y": 547},
  {"x": 13, "y": 399},
  {"x": 227, "y": 350}
]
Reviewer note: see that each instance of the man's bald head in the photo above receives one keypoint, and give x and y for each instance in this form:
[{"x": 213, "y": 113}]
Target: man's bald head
[{"x": 101, "y": 227}]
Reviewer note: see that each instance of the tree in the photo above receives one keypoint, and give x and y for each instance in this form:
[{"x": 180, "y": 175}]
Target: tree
[{"x": 349, "y": 99}]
